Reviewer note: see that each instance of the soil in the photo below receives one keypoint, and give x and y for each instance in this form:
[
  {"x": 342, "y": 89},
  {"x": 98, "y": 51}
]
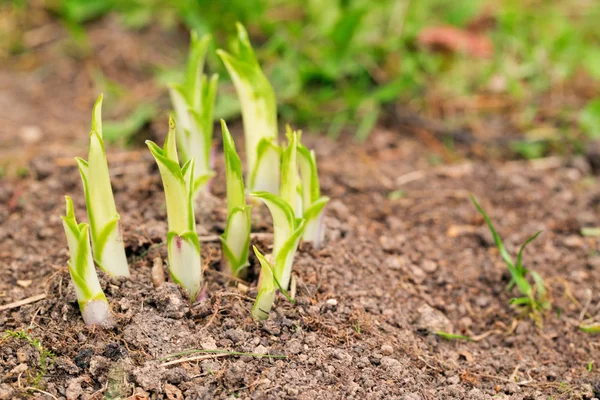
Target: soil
[{"x": 407, "y": 255}]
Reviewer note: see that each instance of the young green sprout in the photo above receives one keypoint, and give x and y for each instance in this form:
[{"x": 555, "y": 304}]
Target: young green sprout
[
  {"x": 259, "y": 114},
  {"x": 107, "y": 239},
  {"x": 193, "y": 101},
  {"x": 92, "y": 301},
  {"x": 313, "y": 203},
  {"x": 533, "y": 297},
  {"x": 235, "y": 240},
  {"x": 183, "y": 246},
  {"x": 266, "y": 288},
  {"x": 287, "y": 231}
]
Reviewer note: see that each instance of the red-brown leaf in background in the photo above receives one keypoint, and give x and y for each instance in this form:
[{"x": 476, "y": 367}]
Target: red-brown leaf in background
[{"x": 457, "y": 40}]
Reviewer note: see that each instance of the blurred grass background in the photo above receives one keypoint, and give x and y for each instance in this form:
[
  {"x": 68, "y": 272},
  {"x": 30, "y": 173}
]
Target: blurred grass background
[{"x": 524, "y": 70}]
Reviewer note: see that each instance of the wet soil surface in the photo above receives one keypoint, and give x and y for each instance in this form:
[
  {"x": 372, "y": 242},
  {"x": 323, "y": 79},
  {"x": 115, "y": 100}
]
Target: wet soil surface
[{"x": 407, "y": 255}]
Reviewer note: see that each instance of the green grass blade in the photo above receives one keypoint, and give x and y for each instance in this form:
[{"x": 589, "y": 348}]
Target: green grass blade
[{"x": 503, "y": 253}]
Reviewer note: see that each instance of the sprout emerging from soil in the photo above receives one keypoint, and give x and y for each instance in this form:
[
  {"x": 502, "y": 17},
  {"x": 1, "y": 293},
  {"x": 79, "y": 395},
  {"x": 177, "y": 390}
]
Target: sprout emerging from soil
[
  {"x": 183, "y": 245},
  {"x": 312, "y": 202},
  {"x": 92, "y": 301},
  {"x": 107, "y": 239},
  {"x": 235, "y": 240},
  {"x": 533, "y": 297},
  {"x": 287, "y": 228},
  {"x": 259, "y": 113},
  {"x": 266, "y": 288},
  {"x": 194, "y": 101}
]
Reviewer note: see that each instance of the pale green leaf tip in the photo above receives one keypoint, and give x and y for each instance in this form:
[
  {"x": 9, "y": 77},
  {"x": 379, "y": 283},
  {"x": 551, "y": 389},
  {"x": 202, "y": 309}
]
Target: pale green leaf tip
[
  {"x": 98, "y": 103},
  {"x": 241, "y": 31},
  {"x": 69, "y": 207},
  {"x": 224, "y": 56},
  {"x": 97, "y": 116}
]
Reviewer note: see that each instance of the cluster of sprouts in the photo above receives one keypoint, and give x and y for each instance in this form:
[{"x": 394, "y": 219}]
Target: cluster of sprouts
[{"x": 282, "y": 177}]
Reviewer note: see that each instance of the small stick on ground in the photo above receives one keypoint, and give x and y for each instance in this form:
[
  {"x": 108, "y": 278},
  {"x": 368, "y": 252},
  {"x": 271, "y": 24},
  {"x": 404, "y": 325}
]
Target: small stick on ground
[
  {"x": 23, "y": 302},
  {"x": 158, "y": 274},
  {"x": 30, "y": 388},
  {"x": 194, "y": 358}
]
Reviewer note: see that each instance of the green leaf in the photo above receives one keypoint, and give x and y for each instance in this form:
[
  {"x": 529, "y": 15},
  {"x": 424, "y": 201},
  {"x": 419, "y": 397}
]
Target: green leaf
[
  {"x": 503, "y": 253},
  {"x": 97, "y": 116},
  {"x": 194, "y": 102},
  {"x": 256, "y": 95},
  {"x": 185, "y": 264},
  {"x": 236, "y": 196},
  {"x": 236, "y": 239},
  {"x": 522, "y": 301},
  {"x": 81, "y": 265},
  {"x": 592, "y": 328},
  {"x": 100, "y": 201},
  {"x": 265, "y": 177},
  {"x": 266, "y": 288},
  {"x": 289, "y": 170},
  {"x": 515, "y": 272},
  {"x": 519, "y": 265},
  {"x": 195, "y": 65},
  {"x": 316, "y": 208},
  {"x": 311, "y": 190},
  {"x": 542, "y": 294},
  {"x": 178, "y": 190},
  {"x": 284, "y": 220},
  {"x": 451, "y": 336},
  {"x": 99, "y": 188},
  {"x": 105, "y": 234},
  {"x": 201, "y": 181},
  {"x": 284, "y": 258}
]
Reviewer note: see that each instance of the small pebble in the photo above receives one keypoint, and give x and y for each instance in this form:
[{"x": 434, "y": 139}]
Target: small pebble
[
  {"x": 429, "y": 266},
  {"x": 332, "y": 302},
  {"x": 261, "y": 350},
  {"x": 387, "y": 350}
]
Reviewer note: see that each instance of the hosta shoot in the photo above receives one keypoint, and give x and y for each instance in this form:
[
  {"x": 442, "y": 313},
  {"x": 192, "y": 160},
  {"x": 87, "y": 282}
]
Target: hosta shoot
[
  {"x": 313, "y": 204},
  {"x": 107, "y": 239},
  {"x": 235, "y": 240},
  {"x": 92, "y": 301},
  {"x": 266, "y": 288},
  {"x": 193, "y": 101},
  {"x": 183, "y": 246},
  {"x": 287, "y": 231},
  {"x": 259, "y": 113},
  {"x": 532, "y": 296}
]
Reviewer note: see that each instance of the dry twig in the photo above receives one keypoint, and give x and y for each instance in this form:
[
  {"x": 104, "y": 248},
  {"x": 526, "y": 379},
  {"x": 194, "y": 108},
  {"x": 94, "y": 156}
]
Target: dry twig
[{"x": 23, "y": 302}]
